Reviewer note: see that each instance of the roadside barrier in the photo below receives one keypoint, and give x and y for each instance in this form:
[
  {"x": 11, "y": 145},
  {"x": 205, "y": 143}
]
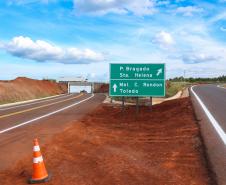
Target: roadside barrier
[{"x": 39, "y": 170}]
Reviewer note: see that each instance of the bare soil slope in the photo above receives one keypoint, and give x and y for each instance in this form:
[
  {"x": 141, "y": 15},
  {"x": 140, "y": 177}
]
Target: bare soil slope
[
  {"x": 106, "y": 148},
  {"x": 22, "y": 89}
]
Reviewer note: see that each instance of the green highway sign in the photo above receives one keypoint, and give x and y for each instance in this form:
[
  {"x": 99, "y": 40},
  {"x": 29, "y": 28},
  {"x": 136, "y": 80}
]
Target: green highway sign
[{"x": 137, "y": 80}]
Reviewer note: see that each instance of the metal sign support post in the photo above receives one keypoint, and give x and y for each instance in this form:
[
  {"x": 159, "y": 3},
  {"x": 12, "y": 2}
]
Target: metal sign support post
[
  {"x": 123, "y": 103},
  {"x": 137, "y": 105},
  {"x": 150, "y": 103}
]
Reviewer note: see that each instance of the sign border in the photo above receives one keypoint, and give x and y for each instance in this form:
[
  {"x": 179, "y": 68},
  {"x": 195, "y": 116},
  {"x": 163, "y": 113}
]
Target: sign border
[{"x": 164, "y": 94}]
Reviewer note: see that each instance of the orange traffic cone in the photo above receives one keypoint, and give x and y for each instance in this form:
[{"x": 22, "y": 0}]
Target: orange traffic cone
[{"x": 39, "y": 171}]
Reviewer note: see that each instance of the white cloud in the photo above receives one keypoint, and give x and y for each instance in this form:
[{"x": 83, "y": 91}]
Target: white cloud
[
  {"x": 101, "y": 7},
  {"x": 218, "y": 17},
  {"x": 164, "y": 39},
  {"x": 42, "y": 51},
  {"x": 162, "y": 3},
  {"x": 26, "y": 2},
  {"x": 195, "y": 46},
  {"x": 223, "y": 29},
  {"x": 194, "y": 58},
  {"x": 188, "y": 10}
]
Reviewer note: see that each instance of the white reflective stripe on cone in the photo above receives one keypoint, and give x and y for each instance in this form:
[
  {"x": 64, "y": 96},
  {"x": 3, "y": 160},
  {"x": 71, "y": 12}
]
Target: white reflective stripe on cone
[
  {"x": 37, "y": 159},
  {"x": 36, "y": 148}
]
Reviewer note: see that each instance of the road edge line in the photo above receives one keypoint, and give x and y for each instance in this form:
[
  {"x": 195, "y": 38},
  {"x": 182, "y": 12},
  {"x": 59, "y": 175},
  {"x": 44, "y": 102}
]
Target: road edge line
[
  {"x": 44, "y": 116},
  {"x": 221, "y": 87},
  {"x": 213, "y": 121}
]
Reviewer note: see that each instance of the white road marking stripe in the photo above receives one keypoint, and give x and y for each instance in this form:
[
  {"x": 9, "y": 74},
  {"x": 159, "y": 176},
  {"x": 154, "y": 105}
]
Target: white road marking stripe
[
  {"x": 36, "y": 149},
  {"x": 37, "y": 159},
  {"x": 44, "y": 116},
  {"x": 36, "y": 102},
  {"x": 221, "y": 87},
  {"x": 214, "y": 122}
]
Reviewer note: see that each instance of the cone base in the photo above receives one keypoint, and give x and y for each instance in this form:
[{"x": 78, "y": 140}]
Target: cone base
[{"x": 32, "y": 181}]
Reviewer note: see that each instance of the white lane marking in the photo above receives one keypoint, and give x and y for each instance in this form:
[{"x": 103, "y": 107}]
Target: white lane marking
[
  {"x": 214, "y": 122},
  {"x": 36, "y": 102},
  {"x": 221, "y": 87},
  {"x": 44, "y": 116}
]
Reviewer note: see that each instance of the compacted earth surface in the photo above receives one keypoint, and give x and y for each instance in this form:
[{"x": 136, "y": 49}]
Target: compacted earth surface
[
  {"x": 23, "y": 88},
  {"x": 108, "y": 147}
]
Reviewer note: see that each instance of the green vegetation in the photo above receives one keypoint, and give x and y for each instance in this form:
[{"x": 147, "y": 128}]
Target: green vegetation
[
  {"x": 174, "y": 87},
  {"x": 48, "y": 79},
  {"x": 14, "y": 100},
  {"x": 220, "y": 79}
]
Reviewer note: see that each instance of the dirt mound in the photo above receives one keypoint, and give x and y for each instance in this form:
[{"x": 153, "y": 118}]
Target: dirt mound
[
  {"x": 23, "y": 88},
  {"x": 104, "y": 88},
  {"x": 101, "y": 88},
  {"x": 108, "y": 148}
]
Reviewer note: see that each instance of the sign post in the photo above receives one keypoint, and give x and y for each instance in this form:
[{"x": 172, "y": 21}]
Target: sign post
[
  {"x": 137, "y": 105},
  {"x": 137, "y": 80},
  {"x": 150, "y": 103}
]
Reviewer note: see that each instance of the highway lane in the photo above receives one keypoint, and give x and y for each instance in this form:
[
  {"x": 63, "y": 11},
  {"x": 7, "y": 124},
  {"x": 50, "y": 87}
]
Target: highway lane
[
  {"x": 214, "y": 99},
  {"x": 4, "y": 108},
  {"x": 53, "y": 117},
  {"x": 210, "y": 107},
  {"x": 19, "y": 115}
]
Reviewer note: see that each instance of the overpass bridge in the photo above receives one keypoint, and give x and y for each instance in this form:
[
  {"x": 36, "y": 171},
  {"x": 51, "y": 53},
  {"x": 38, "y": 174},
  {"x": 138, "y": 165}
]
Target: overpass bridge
[{"x": 78, "y": 84}]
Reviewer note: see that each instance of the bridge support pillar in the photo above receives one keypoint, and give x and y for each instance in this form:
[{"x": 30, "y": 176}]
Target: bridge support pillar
[{"x": 68, "y": 87}]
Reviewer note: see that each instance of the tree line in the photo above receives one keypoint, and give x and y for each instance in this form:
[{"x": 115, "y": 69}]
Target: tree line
[{"x": 220, "y": 79}]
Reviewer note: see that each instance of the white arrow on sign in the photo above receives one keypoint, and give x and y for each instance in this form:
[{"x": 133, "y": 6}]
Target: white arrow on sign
[
  {"x": 114, "y": 87},
  {"x": 159, "y": 72}
]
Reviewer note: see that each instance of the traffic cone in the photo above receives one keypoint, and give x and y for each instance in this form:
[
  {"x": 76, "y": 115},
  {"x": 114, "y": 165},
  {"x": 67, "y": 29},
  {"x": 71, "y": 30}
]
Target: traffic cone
[{"x": 39, "y": 171}]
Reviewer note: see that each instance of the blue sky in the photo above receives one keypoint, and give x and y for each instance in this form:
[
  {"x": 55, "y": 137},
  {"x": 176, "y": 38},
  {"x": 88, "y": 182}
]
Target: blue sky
[{"x": 50, "y": 38}]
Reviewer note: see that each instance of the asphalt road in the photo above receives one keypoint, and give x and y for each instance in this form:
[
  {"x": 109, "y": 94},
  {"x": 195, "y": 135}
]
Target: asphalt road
[
  {"x": 210, "y": 107},
  {"x": 20, "y": 124}
]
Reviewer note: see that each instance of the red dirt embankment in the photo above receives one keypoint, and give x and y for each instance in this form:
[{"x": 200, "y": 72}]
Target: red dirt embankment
[
  {"x": 106, "y": 148},
  {"x": 104, "y": 88},
  {"x": 22, "y": 89}
]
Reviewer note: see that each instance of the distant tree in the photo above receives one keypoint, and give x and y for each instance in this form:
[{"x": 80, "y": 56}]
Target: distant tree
[
  {"x": 220, "y": 79},
  {"x": 48, "y": 79}
]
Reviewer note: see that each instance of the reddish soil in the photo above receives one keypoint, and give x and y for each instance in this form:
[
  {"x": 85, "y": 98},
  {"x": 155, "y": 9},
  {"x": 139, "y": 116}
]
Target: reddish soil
[
  {"x": 107, "y": 148},
  {"x": 104, "y": 88},
  {"x": 24, "y": 89}
]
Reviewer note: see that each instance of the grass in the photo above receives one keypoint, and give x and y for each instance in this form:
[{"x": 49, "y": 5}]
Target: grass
[
  {"x": 174, "y": 87},
  {"x": 14, "y": 100}
]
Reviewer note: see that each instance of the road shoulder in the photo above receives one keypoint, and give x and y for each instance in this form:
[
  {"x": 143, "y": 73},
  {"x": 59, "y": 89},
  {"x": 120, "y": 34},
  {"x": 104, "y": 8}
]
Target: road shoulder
[{"x": 214, "y": 147}]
